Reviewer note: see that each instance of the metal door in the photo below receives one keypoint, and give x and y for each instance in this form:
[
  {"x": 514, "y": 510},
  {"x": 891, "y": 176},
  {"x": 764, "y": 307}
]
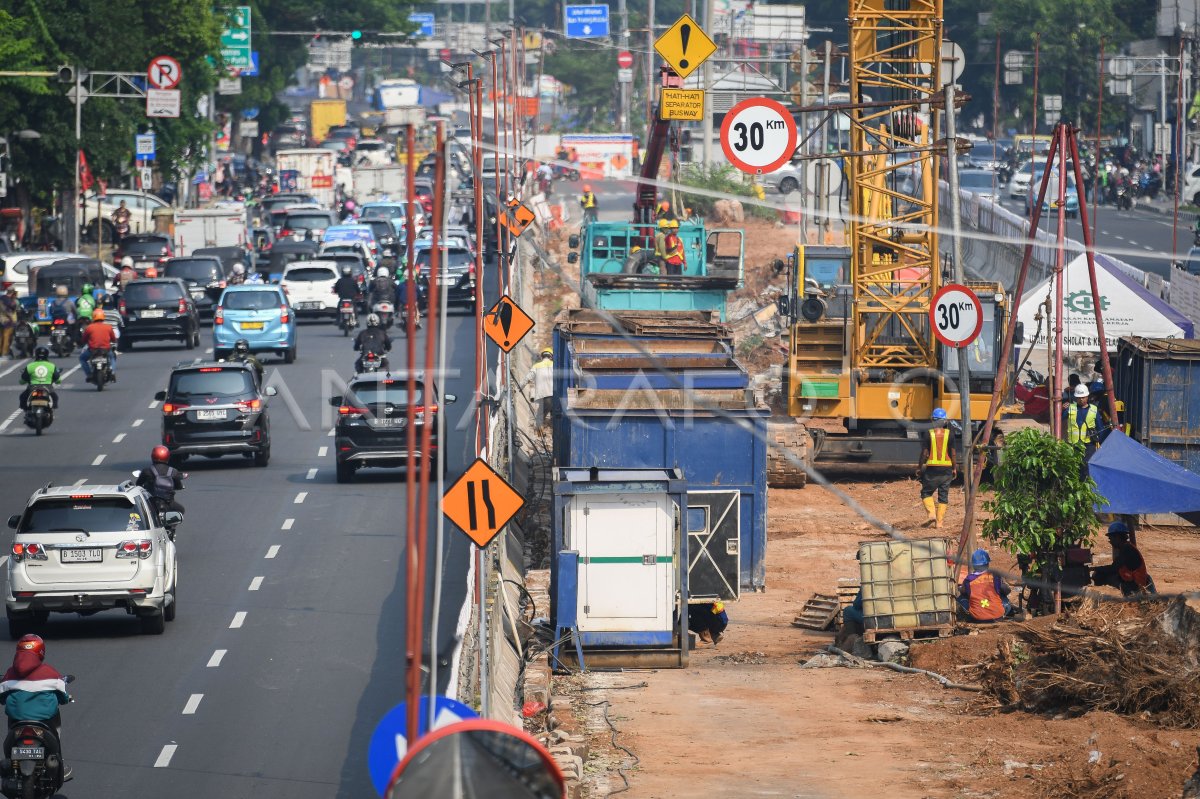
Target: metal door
[{"x": 714, "y": 530}]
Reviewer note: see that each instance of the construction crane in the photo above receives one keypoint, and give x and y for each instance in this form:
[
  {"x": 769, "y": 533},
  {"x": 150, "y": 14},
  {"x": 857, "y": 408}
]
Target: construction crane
[{"x": 863, "y": 362}]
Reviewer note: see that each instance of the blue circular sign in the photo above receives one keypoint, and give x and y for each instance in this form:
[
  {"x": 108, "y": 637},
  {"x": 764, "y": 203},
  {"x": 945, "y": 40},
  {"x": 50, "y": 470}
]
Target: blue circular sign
[{"x": 389, "y": 742}]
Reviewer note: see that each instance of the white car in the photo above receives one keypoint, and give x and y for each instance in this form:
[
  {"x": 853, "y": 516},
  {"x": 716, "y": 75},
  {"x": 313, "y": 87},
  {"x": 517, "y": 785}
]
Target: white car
[
  {"x": 309, "y": 286},
  {"x": 981, "y": 182},
  {"x": 141, "y": 205},
  {"x": 360, "y": 248},
  {"x": 372, "y": 152},
  {"x": 18, "y": 264},
  {"x": 1018, "y": 185},
  {"x": 1191, "y": 185},
  {"x": 84, "y": 549}
]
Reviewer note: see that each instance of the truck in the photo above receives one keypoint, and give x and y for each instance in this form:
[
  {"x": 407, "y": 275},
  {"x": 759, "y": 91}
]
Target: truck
[
  {"x": 375, "y": 183},
  {"x": 323, "y": 115},
  {"x": 308, "y": 170},
  {"x": 209, "y": 227}
]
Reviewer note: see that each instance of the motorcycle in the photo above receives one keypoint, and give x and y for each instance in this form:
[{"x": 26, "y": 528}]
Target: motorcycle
[
  {"x": 39, "y": 409},
  {"x": 32, "y": 767},
  {"x": 372, "y": 362},
  {"x": 24, "y": 337},
  {"x": 1124, "y": 199},
  {"x": 101, "y": 371},
  {"x": 62, "y": 338},
  {"x": 346, "y": 320},
  {"x": 386, "y": 312}
]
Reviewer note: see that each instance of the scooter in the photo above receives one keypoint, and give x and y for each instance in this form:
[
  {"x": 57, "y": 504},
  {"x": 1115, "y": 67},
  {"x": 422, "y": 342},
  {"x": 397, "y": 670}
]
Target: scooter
[
  {"x": 62, "y": 338},
  {"x": 372, "y": 362},
  {"x": 346, "y": 320},
  {"x": 101, "y": 371},
  {"x": 39, "y": 410},
  {"x": 32, "y": 767},
  {"x": 386, "y": 312}
]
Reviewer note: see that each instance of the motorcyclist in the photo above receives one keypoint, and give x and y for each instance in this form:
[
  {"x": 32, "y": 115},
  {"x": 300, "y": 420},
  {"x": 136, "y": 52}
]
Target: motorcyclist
[
  {"x": 62, "y": 307},
  {"x": 348, "y": 209},
  {"x": 383, "y": 288},
  {"x": 237, "y": 275},
  {"x": 347, "y": 287},
  {"x": 41, "y": 371},
  {"x": 372, "y": 339},
  {"x": 120, "y": 218},
  {"x": 241, "y": 352},
  {"x": 126, "y": 274},
  {"x": 33, "y": 690},
  {"x": 162, "y": 480},
  {"x": 402, "y": 275},
  {"x": 85, "y": 303},
  {"x": 98, "y": 336}
]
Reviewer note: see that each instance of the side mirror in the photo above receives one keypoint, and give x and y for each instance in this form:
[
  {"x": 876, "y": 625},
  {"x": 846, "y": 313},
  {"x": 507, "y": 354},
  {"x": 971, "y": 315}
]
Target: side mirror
[
  {"x": 270, "y": 391},
  {"x": 336, "y": 400},
  {"x": 783, "y": 304},
  {"x": 573, "y": 241},
  {"x": 449, "y": 399},
  {"x": 160, "y": 395},
  {"x": 1019, "y": 333},
  {"x": 14, "y": 520},
  {"x": 172, "y": 518},
  {"x": 572, "y": 257}
]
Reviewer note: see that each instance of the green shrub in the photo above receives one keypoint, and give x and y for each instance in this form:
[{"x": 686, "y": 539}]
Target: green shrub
[{"x": 724, "y": 179}]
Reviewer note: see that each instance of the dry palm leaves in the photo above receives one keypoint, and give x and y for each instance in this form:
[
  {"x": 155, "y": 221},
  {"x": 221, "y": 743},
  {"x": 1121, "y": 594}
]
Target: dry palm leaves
[{"x": 1132, "y": 659}]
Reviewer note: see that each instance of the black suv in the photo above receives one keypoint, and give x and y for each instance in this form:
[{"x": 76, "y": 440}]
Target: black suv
[
  {"x": 215, "y": 408},
  {"x": 456, "y": 274},
  {"x": 372, "y": 425},
  {"x": 158, "y": 308},
  {"x": 204, "y": 276},
  {"x": 146, "y": 250}
]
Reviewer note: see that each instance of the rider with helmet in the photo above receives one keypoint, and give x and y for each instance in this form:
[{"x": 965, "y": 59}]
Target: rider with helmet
[
  {"x": 347, "y": 287},
  {"x": 241, "y": 352},
  {"x": 162, "y": 480},
  {"x": 85, "y": 304},
  {"x": 374, "y": 339},
  {"x": 98, "y": 336},
  {"x": 237, "y": 275},
  {"x": 33, "y": 690},
  {"x": 41, "y": 371},
  {"x": 383, "y": 288},
  {"x": 127, "y": 274}
]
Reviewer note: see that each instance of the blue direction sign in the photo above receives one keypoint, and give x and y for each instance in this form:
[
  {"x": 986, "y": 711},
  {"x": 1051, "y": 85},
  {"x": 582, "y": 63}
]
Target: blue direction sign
[
  {"x": 252, "y": 70},
  {"x": 389, "y": 743},
  {"x": 586, "y": 22},
  {"x": 426, "y": 22},
  {"x": 143, "y": 144}
]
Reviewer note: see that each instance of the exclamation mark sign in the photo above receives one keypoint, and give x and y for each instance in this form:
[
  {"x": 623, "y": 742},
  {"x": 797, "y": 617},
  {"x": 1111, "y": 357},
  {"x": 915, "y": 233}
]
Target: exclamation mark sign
[
  {"x": 685, "y": 33},
  {"x": 506, "y": 315}
]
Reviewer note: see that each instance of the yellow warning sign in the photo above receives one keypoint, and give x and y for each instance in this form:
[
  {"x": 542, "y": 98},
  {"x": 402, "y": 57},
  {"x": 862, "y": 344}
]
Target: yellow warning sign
[
  {"x": 685, "y": 46},
  {"x": 682, "y": 104}
]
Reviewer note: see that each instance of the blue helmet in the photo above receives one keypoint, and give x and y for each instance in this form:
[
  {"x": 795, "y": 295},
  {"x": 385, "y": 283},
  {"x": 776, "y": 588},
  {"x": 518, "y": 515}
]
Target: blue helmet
[
  {"x": 939, "y": 414},
  {"x": 1118, "y": 530},
  {"x": 980, "y": 559}
]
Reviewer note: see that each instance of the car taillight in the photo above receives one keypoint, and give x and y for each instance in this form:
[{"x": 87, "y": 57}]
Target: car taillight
[
  {"x": 249, "y": 405},
  {"x": 182, "y": 305},
  {"x": 30, "y": 551},
  {"x": 350, "y": 410},
  {"x": 138, "y": 548},
  {"x": 285, "y": 231},
  {"x": 174, "y": 409},
  {"x": 121, "y": 306},
  {"x": 284, "y": 316},
  {"x": 219, "y": 316}
]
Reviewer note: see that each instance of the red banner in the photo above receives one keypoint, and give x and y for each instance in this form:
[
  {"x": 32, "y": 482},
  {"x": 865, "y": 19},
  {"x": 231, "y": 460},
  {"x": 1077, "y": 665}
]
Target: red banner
[{"x": 85, "y": 173}]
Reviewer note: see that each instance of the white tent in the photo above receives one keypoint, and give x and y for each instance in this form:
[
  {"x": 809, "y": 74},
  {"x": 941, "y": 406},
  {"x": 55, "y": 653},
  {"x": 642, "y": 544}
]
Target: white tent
[{"x": 1128, "y": 309}]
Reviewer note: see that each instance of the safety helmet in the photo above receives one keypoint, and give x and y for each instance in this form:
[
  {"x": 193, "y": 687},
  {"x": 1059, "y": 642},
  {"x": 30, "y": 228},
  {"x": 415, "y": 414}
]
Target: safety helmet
[
  {"x": 372, "y": 320},
  {"x": 1118, "y": 530},
  {"x": 939, "y": 414},
  {"x": 86, "y": 289},
  {"x": 349, "y": 206},
  {"x": 32, "y": 643},
  {"x": 1081, "y": 391},
  {"x": 238, "y": 269},
  {"x": 346, "y": 270},
  {"x": 587, "y": 186},
  {"x": 60, "y": 291},
  {"x": 41, "y": 354},
  {"x": 127, "y": 261},
  {"x": 665, "y": 205},
  {"x": 980, "y": 559},
  {"x": 160, "y": 454},
  {"x": 241, "y": 346},
  {"x": 547, "y": 353},
  {"x": 718, "y": 607},
  {"x": 98, "y": 295},
  {"x": 98, "y": 315},
  {"x": 673, "y": 224},
  {"x": 664, "y": 223},
  {"x": 381, "y": 272}
]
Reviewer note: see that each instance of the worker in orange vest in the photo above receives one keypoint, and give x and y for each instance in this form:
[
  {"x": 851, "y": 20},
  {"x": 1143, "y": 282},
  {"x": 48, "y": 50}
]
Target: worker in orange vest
[
  {"x": 672, "y": 253},
  {"x": 983, "y": 596},
  {"x": 937, "y": 470}
]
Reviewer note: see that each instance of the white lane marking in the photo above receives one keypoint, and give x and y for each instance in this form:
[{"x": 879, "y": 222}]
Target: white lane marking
[
  {"x": 1104, "y": 232},
  {"x": 273, "y": 551},
  {"x": 164, "y": 757},
  {"x": 193, "y": 702},
  {"x": 1134, "y": 243},
  {"x": 300, "y": 497},
  {"x": 119, "y": 438},
  {"x": 99, "y": 459},
  {"x": 1119, "y": 238},
  {"x": 321, "y": 453},
  {"x": 216, "y": 658},
  {"x": 3, "y": 560},
  {"x": 136, "y": 423},
  {"x": 208, "y": 351},
  {"x": 12, "y": 417},
  {"x": 71, "y": 371},
  {"x": 80, "y": 481},
  {"x": 287, "y": 524},
  {"x": 256, "y": 583},
  {"x": 330, "y": 433},
  {"x": 14, "y": 367},
  {"x": 312, "y": 475},
  {"x": 1147, "y": 247},
  {"x": 153, "y": 405},
  {"x": 239, "y": 619}
]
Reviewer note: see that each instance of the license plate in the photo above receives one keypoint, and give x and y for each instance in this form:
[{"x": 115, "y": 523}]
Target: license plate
[
  {"x": 198, "y": 293},
  {"x": 388, "y": 422},
  {"x": 81, "y": 555},
  {"x": 153, "y": 314},
  {"x": 444, "y": 280},
  {"x": 39, "y": 403},
  {"x": 208, "y": 416},
  {"x": 28, "y": 753},
  {"x": 308, "y": 306},
  {"x": 252, "y": 325}
]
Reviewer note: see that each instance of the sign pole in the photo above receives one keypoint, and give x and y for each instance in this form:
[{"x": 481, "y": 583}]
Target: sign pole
[
  {"x": 960, "y": 277},
  {"x": 75, "y": 216},
  {"x": 706, "y": 84}
]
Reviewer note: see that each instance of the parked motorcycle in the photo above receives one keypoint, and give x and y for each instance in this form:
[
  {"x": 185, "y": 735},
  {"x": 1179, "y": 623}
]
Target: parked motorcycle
[
  {"x": 101, "y": 370},
  {"x": 347, "y": 320},
  {"x": 386, "y": 312},
  {"x": 62, "y": 338},
  {"x": 39, "y": 409},
  {"x": 32, "y": 767}
]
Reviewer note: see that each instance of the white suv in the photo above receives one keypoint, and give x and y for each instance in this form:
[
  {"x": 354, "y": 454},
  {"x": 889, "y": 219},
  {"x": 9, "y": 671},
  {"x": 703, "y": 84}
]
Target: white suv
[
  {"x": 309, "y": 286},
  {"x": 83, "y": 549}
]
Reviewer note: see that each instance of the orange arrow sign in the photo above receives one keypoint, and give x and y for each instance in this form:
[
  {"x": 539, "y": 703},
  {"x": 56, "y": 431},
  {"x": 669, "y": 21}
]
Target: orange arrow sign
[
  {"x": 481, "y": 502},
  {"x": 506, "y": 324}
]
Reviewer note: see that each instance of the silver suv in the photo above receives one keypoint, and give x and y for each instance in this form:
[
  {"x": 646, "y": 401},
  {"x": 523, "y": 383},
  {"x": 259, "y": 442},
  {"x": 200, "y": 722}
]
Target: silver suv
[{"x": 83, "y": 549}]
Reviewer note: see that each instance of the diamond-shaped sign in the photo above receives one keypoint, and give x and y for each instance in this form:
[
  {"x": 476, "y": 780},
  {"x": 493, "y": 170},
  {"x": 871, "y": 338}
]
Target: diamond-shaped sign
[
  {"x": 517, "y": 219},
  {"x": 506, "y": 324},
  {"x": 685, "y": 46},
  {"x": 481, "y": 502}
]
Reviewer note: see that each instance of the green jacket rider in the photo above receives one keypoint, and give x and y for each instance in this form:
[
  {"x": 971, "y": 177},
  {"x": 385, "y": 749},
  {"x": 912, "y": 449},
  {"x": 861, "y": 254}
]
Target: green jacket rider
[{"x": 41, "y": 371}]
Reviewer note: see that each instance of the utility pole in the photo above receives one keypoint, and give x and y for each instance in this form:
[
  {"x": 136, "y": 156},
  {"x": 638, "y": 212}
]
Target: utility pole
[
  {"x": 74, "y": 216},
  {"x": 706, "y": 84},
  {"x": 960, "y": 277},
  {"x": 651, "y": 64},
  {"x": 626, "y": 88},
  {"x": 823, "y": 161},
  {"x": 806, "y": 197}
]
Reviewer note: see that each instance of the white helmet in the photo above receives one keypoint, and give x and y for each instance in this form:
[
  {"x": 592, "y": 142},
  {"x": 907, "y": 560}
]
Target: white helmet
[
  {"x": 238, "y": 269},
  {"x": 127, "y": 261},
  {"x": 381, "y": 272},
  {"x": 372, "y": 320}
]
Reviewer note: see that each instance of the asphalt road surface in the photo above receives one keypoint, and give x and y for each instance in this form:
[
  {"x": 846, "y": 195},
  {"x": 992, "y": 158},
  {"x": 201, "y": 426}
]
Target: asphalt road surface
[{"x": 289, "y": 643}]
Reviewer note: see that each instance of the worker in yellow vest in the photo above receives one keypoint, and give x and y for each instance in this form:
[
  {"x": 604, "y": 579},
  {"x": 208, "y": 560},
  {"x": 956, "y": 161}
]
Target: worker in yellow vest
[
  {"x": 1079, "y": 423},
  {"x": 938, "y": 468},
  {"x": 587, "y": 201}
]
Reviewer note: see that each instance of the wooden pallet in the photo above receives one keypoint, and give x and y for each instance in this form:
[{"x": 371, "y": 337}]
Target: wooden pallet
[
  {"x": 909, "y": 633},
  {"x": 818, "y": 612}
]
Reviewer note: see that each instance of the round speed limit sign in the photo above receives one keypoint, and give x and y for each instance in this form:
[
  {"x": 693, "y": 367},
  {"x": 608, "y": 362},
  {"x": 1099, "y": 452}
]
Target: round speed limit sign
[
  {"x": 956, "y": 315},
  {"x": 758, "y": 135}
]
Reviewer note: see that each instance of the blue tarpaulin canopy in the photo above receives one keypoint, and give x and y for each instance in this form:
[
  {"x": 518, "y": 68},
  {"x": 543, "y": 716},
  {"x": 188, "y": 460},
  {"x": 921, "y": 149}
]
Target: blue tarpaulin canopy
[{"x": 1137, "y": 480}]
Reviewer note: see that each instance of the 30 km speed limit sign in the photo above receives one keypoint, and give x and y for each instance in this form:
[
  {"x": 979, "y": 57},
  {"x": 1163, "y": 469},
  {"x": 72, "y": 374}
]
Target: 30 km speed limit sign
[
  {"x": 758, "y": 135},
  {"x": 956, "y": 315}
]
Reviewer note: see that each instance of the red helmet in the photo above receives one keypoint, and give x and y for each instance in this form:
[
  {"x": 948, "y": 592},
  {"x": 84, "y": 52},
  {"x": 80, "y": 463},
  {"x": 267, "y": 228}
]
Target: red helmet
[
  {"x": 160, "y": 454},
  {"x": 32, "y": 643}
]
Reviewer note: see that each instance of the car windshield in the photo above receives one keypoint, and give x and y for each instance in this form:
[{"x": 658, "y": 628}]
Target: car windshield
[
  {"x": 138, "y": 292},
  {"x": 251, "y": 300},
  {"x": 151, "y": 247},
  {"x": 307, "y": 221},
  {"x": 386, "y": 391},
  {"x": 382, "y": 228},
  {"x": 194, "y": 269},
  {"x": 452, "y": 258},
  {"x": 309, "y": 274},
  {"x": 90, "y": 514},
  {"x": 382, "y": 212},
  {"x": 976, "y": 180},
  {"x": 985, "y": 152},
  {"x": 210, "y": 381}
]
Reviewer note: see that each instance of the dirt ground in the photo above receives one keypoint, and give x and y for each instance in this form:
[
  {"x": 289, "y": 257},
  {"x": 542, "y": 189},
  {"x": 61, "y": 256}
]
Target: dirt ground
[{"x": 744, "y": 719}]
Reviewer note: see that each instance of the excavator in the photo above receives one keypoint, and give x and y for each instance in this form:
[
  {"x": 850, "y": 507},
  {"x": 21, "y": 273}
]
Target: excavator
[{"x": 865, "y": 370}]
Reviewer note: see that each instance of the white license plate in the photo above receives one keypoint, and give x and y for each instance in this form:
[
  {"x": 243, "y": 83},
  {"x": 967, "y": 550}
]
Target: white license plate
[
  {"x": 210, "y": 415},
  {"x": 153, "y": 314},
  {"x": 198, "y": 293},
  {"x": 388, "y": 422},
  {"x": 308, "y": 306},
  {"x": 81, "y": 555},
  {"x": 28, "y": 753}
]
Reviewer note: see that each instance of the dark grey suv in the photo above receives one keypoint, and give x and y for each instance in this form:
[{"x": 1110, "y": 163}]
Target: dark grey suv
[
  {"x": 158, "y": 308},
  {"x": 215, "y": 408}
]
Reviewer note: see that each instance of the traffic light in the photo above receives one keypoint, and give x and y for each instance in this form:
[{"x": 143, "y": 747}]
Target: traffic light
[{"x": 66, "y": 74}]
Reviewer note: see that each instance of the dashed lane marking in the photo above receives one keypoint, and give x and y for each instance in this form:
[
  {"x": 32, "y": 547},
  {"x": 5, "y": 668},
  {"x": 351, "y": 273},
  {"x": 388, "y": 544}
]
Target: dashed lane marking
[
  {"x": 153, "y": 405},
  {"x": 80, "y": 481},
  {"x": 287, "y": 524},
  {"x": 217, "y": 657},
  {"x": 312, "y": 475},
  {"x": 164, "y": 757},
  {"x": 208, "y": 351},
  {"x": 1147, "y": 247},
  {"x": 71, "y": 371},
  {"x": 330, "y": 433},
  {"x": 300, "y": 497},
  {"x": 99, "y": 459},
  {"x": 137, "y": 423},
  {"x": 14, "y": 367},
  {"x": 11, "y": 418},
  {"x": 193, "y": 702},
  {"x": 322, "y": 452},
  {"x": 119, "y": 438},
  {"x": 256, "y": 583},
  {"x": 239, "y": 619},
  {"x": 273, "y": 551}
]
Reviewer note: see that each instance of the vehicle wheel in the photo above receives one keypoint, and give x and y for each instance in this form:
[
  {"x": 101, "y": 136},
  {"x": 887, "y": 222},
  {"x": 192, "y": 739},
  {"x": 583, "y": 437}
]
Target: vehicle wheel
[
  {"x": 154, "y": 624},
  {"x": 196, "y": 337},
  {"x": 1196, "y": 199},
  {"x": 788, "y": 185},
  {"x": 169, "y": 609},
  {"x": 345, "y": 472},
  {"x": 189, "y": 340},
  {"x": 346, "y": 330},
  {"x": 289, "y": 356},
  {"x": 37, "y": 425},
  {"x": 17, "y": 627},
  {"x": 263, "y": 458},
  {"x": 100, "y": 384}
]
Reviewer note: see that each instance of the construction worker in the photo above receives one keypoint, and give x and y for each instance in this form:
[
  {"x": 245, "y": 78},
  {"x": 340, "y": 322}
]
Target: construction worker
[
  {"x": 542, "y": 377},
  {"x": 983, "y": 597},
  {"x": 1079, "y": 422},
  {"x": 939, "y": 467},
  {"x": 672, "y": 254},
  {"x": 708, "y": 621},
  {"x": 663, "y": 211},
  {"x": 660, "y": 236},
  {"x": 587, "y": 201},
  {"x": 1128, "y": 568}
]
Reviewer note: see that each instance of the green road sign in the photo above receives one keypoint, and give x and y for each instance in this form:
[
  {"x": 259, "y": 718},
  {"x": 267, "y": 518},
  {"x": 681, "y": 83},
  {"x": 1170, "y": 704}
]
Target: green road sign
[{"x": 235, "y": 40}]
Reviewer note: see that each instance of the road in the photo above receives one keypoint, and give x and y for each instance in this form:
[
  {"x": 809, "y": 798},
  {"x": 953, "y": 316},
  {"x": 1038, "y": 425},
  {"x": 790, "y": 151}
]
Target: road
[{"x": 289, "y": 643}]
